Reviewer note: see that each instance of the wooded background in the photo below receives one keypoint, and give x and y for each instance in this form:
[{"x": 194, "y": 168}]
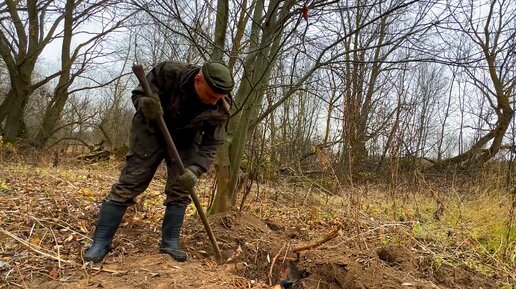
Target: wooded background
[{"x": 349, "y": 89}]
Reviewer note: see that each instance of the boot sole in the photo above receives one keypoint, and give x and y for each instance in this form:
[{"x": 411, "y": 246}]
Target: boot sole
[
  {"x": 178, "y": 259},
  {"x": 98, "y": 258},
  {"x": 94, "y": 260}
]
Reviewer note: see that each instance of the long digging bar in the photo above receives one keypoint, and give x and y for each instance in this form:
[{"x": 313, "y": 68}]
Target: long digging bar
[{"x": 172, "y": 152}]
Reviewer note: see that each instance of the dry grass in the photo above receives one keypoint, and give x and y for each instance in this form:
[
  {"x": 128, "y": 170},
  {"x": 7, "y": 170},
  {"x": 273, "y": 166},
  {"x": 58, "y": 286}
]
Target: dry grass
[
  {"x": 460, "y": 219},
  {"x": 471, "y": 224}
]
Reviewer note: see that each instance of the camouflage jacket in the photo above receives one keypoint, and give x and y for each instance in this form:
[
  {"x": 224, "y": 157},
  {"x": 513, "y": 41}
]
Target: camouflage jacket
[{"x": 196, "y": 128}]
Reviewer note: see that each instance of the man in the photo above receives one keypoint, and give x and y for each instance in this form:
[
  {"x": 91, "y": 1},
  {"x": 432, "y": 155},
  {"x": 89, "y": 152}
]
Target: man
[{"x": 192, "y": 103}]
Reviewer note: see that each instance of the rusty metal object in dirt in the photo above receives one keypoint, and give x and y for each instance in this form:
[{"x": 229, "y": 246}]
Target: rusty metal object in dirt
[{"x": 173, "y": 153}]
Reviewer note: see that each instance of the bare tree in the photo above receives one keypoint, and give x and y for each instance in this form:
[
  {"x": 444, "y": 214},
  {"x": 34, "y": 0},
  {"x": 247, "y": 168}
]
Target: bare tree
[
  {"x": 365, "y": 53},
  {"x": 30, "y": 27},
  {"x": 117, "y": 109},
  {"x": 490, "y": 68},
  {"x": 24, "y": 33},
  {"x": 74, "y": 62}
]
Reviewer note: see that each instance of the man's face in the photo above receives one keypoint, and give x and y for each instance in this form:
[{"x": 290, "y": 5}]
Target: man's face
[{"x": 205, "y": 92}]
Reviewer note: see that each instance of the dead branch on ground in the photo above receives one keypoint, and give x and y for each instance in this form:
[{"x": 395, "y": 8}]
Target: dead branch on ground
[{"x": 333, "y": 234}]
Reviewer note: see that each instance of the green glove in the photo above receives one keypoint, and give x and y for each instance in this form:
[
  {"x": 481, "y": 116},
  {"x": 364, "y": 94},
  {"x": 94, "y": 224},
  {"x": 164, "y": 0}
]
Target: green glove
[
  {"x": 151, "y": 107},
  {"x": 188, "y": 179}
]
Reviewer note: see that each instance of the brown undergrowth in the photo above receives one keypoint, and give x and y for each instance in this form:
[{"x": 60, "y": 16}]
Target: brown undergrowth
[{"x": 47, "y": 215}]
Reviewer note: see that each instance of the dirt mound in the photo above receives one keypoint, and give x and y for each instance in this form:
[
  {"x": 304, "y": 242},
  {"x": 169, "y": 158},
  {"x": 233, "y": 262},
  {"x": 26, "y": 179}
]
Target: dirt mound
[
  {"x": 385, "y": 267},
  {"x": 250, "y": 245},
  {"x": 245, "y": 241}
]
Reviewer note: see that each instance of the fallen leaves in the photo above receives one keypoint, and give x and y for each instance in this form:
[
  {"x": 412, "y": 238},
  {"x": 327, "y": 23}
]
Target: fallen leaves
[
  {"x": 42, "y": 218},
  {"x": 4, "y": 187}
]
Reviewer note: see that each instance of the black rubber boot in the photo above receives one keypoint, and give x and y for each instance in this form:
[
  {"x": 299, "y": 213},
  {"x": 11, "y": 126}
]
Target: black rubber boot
[
  {"x": 110, "y": 217},
  {"x": 170, "y": 229}
]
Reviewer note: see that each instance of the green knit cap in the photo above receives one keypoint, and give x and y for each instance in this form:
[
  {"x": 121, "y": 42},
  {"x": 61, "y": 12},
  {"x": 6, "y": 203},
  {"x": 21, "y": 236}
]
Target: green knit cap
[{"x": 218, "y": 77}]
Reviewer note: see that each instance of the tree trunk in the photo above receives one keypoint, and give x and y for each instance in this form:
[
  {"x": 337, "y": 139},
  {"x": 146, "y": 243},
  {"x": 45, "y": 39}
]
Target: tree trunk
[
  {"x": 14, "y": 120},
  {"x": 221, "y": 24},
  {"x": 221, "y": 202},
  {"x": 225, "y": 169},
  {"x": 13, "y": 107},
  {"x": 222, "y": 167},
  {"x": 360, "y": 92},
  {"x": 56, "y": 106},
  {"x": 257, "y": 69}
]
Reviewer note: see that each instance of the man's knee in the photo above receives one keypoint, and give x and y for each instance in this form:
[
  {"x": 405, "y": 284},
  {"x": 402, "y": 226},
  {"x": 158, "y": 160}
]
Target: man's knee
[
  {"x": 179, "y": 199},
  {"x": 122, "y": 196}
]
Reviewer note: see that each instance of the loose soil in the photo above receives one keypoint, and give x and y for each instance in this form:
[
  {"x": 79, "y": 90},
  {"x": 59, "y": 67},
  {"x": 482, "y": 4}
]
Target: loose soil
[{"x": 48, "y": 214}]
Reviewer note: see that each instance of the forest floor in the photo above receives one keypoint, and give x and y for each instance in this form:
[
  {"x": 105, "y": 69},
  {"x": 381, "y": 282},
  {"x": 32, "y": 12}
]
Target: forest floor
[{"x": 47, "y": 216}]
